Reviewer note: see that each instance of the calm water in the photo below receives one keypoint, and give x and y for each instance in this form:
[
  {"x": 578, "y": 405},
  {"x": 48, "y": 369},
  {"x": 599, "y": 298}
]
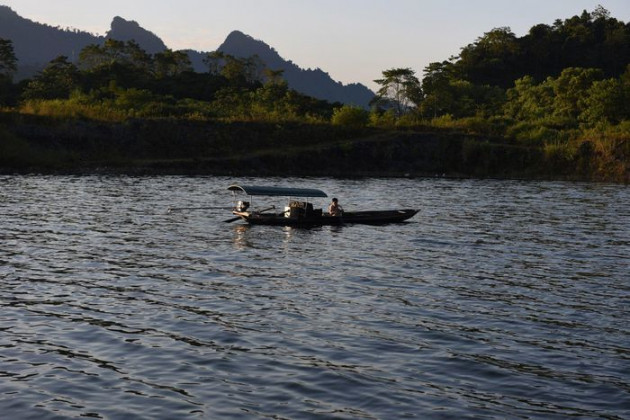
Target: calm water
[{"x": 501, "y": 299}]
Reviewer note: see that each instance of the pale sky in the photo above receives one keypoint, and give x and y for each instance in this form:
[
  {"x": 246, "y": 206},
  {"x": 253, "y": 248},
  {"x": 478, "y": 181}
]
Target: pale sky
[{"x": 352, "y": 40}]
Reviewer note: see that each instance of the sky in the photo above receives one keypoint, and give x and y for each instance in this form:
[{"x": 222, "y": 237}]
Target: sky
[{"x": 352, "y": 40}]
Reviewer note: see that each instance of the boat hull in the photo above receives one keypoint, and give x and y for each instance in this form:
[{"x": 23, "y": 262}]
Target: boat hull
[{"x": 359, "y": 217}]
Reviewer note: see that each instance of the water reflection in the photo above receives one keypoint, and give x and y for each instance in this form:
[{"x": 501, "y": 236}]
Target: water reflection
[
  {"x": 288, "y": 238},
  {"x": 241, "y": 237}
]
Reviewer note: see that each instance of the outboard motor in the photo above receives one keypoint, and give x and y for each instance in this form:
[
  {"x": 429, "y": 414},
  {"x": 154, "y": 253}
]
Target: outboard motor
[{"x": 242, "y": 206}]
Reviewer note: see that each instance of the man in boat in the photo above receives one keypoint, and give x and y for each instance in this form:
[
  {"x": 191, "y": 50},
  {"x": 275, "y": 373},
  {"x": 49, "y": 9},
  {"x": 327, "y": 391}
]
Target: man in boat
[{"x": 334, "y": 209}]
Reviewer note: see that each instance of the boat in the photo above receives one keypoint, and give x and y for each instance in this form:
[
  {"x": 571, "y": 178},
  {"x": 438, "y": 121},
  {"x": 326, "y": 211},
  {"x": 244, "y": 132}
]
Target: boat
[{"x": 301, "y": 212}]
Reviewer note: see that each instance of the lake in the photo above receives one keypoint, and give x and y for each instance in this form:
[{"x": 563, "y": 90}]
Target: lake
[{"x": 121, "y": 298}]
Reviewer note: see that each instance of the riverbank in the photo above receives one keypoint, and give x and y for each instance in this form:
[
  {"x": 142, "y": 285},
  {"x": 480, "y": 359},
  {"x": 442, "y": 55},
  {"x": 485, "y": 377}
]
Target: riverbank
[{"x": 33, "y": 144}]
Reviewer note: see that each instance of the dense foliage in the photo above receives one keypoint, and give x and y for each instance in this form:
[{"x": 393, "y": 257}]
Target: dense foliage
[
  {"x": 561, "y": 90},
  {"x": 119, "y": 80}
]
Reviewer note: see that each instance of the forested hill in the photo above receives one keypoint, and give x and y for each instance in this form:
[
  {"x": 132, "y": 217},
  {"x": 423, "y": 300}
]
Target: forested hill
[
  {"x": 590, "y": 40},
  {"x": 37, "y": 44}
]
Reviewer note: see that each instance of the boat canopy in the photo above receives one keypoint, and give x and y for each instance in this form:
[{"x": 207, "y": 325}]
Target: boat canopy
[{"x": 278, "y": 191}]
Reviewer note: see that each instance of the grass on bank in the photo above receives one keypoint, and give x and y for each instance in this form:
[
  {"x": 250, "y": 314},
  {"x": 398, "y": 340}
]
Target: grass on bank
[{"x": 568, "y": 149}]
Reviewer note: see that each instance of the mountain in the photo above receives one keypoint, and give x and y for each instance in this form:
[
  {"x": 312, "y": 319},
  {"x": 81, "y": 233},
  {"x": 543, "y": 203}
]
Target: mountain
[
  {"x": 315, "y": 83},
  {"x": 126, "y": 30},
  {"x": 36, "y": 44}
]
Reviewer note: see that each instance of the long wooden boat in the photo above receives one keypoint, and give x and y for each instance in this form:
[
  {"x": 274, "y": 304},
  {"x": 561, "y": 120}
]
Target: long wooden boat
[{"x": 302, "y": 213}]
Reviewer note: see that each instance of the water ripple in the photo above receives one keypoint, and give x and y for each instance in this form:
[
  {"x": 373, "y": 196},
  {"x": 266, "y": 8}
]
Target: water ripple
[{"x": 501, "y": 299}]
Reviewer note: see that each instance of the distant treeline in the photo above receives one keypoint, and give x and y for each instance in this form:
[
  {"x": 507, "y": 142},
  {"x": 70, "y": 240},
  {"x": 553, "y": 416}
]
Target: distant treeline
[{"x": 560, "y": 96}]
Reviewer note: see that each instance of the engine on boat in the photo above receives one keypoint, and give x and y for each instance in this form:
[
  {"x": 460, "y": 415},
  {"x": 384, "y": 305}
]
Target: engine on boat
[{"x": 242, "y": 206}]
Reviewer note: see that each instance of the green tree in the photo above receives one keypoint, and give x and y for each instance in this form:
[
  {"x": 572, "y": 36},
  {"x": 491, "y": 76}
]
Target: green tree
[
  {"x": 124, "y": 63},
  {"x": 56, "y": 81},
  {"x": 272, "y": 92},
  {"x": 577, "y": 95},
  {"x": 400, "y": 88},
  {"x": 8, "y": 66},
  {"x": 171, "y": 63},
  {"x": 491, "y": 59},
  {"x": 233, "y": 102},
  {"x": 352, "y": 116},
  {"x": 528, "y": 101},
  {"x": 238, "y": 71},
  {"x": 438, "y": 98},
  {"x": 8, "y": 61},
  {"x": 383, "y": 119},
  {"x": 569, "y": 88},
  {"x": 446, "y": 93},
  {"x": 607, "y": 101},
  {"x": 540, "y": 57},
  {"x": 271, "y": 101},
  {"x": 128, "y": 54},
  {"x": 214, "y": 61},
  {"x": 273, "y": 76}
]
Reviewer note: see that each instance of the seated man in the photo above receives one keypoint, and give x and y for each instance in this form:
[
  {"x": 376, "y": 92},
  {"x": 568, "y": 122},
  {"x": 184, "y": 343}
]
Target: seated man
[{"x": 335, "y": 209}]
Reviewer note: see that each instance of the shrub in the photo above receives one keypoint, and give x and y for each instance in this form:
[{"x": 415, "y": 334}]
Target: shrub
[
  {"x": 444, "y": 121},
  {"x": 533, "y": 133},
  {"x": 351, "y": 116},
  {"x": 382, "y": 119}
]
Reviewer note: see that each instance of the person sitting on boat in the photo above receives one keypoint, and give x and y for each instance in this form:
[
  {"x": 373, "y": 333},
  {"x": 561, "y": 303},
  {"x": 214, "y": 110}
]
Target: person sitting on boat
[{"x": 334, "y": 209}]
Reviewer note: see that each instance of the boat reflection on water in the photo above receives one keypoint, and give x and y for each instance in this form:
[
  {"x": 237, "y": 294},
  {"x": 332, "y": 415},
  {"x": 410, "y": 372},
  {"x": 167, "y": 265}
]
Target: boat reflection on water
[
  {"x": 248, "y": 236},
  {"x": 241, "y": 237}
]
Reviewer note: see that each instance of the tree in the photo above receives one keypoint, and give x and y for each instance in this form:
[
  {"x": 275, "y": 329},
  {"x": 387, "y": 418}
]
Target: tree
[
  {"x": 171, "y": 63},
  {"x": 351, "y": 116},
  {"x": 529, "y": 101},
  {"x": 214, "y": 61},
  {"x": 446, "y": 93},
  {"x": 570, "y": 87},
  {"x": 274, "y": 76},
  {"x": 8, "y": 61},
  {"x": 400, "y": 88},
  {"x": 8, "y": 66},
  {"x": 600, "y": 12},
  {"x": 124, "y": 63},
  {"x": 56, "y": 81},
  {"x": 606, "y": 101},
  {"x": 128, "y": 54},
  {"x": 438, "y": 98},
  {"x": 491, "y": 59},
  {"x": 238, "y": 71}
]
